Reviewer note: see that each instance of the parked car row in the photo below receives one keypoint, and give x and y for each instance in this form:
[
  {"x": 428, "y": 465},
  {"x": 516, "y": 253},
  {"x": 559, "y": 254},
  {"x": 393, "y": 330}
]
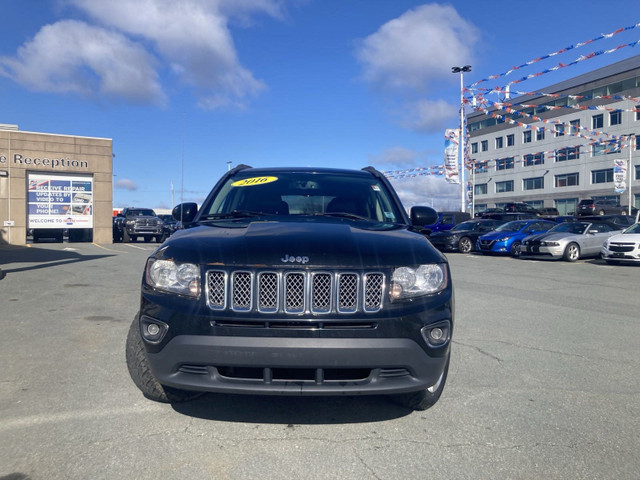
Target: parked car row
[
  {"x": 614, "y": 237},
  {"x": 587, "y": 206}
]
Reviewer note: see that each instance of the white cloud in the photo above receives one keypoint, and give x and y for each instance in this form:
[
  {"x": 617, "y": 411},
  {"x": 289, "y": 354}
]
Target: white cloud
[
  {"x": 397, "y": 158},
  {"x": 132, "y": 43},
  {"x": 74, "y": 57},
  {"x": 430, "y": 190},
  {"x": 419, "y": 46},
  {"x": 193, "y": 38},
  {"x": 126, "y": 184},
  {"x": 428, "y": 116}
]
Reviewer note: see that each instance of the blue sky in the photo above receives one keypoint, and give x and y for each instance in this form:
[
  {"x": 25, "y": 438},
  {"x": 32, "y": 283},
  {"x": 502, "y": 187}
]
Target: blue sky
[{"x": 184, "y": 87}]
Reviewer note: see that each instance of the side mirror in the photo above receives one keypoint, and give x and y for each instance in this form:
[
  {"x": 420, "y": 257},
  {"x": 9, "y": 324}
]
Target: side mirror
[
  {"x": 185, "y": 212},
  {"x": 421, "y": 216}
]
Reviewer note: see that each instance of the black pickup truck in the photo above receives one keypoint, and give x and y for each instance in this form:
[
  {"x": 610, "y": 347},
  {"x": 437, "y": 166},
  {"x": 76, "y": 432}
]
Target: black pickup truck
[
  {"x": 132, "y": 223},
  {"x": 295, "y": 281}
]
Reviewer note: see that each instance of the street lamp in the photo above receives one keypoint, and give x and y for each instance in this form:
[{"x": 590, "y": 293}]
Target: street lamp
[{"x": 461, "y": 70}]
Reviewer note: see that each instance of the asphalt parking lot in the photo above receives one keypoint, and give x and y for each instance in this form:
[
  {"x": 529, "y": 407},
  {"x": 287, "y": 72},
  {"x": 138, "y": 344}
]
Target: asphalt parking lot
[{"x": 543, "y": 384}]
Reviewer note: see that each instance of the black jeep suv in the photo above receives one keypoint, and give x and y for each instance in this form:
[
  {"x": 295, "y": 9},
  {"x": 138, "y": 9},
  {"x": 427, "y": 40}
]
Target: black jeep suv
[{"x": 295, "y": 281}]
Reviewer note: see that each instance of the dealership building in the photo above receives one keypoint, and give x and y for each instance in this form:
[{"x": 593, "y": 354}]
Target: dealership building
[
  {"x": 53, "y": 185},
  {"x": 570, "y": 141}
]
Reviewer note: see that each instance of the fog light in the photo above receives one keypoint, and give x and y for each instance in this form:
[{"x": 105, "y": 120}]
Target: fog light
[
  {"x": 153, "y": 329},
  {"x": 437, "y": 335}
]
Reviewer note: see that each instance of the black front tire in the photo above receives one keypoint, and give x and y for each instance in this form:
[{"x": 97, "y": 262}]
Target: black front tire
[
  {"x": 138, "y": 366},
  {"x": 465, "y": 245},
  {"x": 423, "y": 399},
  {"x": 515, "y": 249}
]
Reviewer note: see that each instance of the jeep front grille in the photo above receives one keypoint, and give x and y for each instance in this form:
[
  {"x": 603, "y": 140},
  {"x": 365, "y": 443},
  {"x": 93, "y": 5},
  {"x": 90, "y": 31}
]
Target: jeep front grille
[{"x": 295, "y": 292}]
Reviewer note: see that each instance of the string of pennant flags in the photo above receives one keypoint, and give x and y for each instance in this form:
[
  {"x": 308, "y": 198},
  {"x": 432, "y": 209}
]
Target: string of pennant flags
[
  {"x": 563, "y": 50},
  {"x": 476, "y": 96},
  {"x": 470, "y": 99},
  {"x": 573, "y": 130}
]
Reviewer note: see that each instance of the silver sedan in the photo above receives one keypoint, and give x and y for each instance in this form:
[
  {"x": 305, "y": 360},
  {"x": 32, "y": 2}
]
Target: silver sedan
[{"x": 570, "y": 240}]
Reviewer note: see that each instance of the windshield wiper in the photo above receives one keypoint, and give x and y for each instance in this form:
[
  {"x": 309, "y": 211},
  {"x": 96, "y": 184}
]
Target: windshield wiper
[
  {"x": 351, "y": 216},
  {"x": 233, "y": 214}
]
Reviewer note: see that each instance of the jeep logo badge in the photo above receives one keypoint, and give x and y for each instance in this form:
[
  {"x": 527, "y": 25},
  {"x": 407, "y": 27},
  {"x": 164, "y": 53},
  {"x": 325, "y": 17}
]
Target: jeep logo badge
[{"x": 291, "y": 259}]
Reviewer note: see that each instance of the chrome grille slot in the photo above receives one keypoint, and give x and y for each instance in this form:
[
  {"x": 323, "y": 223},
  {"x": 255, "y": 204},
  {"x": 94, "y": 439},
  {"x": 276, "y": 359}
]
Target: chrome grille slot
[
  {"x": 373, "y": 288},
  {"x": 294, "y": 292},
  {"x": 347, "y": 292},
  {"x": 268, "y": 294},
  {"x": 216, "y": 290},
  {"x": 241, "y": 291},
  {"x": 321, "y": 292}
]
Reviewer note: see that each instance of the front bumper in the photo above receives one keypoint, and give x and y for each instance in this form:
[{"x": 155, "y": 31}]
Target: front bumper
[
  {"x": 539, "y": 251},
  {"x": 621, "y": 254},
  {"x": 144, "y": 231},
  {"x": 308, "y": 366}
]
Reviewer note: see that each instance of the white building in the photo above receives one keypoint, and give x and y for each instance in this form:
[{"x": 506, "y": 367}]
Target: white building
[{"x": 553, "y": 151}]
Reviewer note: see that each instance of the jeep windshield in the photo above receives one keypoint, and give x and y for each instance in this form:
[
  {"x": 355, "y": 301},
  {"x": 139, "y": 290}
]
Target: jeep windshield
[{"x": 357, "y": 197}]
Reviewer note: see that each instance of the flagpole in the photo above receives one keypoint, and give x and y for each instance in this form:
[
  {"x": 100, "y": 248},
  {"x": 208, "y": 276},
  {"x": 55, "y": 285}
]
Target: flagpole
[{"x": 461, "y": 70}]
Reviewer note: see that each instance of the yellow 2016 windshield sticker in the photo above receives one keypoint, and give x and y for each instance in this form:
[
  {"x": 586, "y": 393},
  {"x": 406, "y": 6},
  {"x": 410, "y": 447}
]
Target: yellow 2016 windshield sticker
[{"x": 249, "y": 182}]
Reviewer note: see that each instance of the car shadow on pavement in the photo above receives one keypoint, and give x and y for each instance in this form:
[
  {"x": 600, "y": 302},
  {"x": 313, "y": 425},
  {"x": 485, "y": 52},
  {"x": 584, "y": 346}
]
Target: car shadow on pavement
[
  {"x": 291, "y": 411},
  {"x": 31, "y": 258}
]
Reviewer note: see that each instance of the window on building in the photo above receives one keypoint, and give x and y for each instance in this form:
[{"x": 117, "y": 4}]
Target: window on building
[
  {"x": 637, "y": 114},
  {"x": 602, "y": 176},
  {"x": 511, "y": 140},
  {"x": 637, "y": 172},
  {"x": 481, "y": 167},
  {"x": 567, "y": 180},
  {"x": 474, "y": 147},
  {"x": 567, "y": 153},
  {"x": 575, "y": 126},
  {"x": 597, "y": 121},
  {"x": 506, "y": 186},
  {"x": 526, "y": 136},
  {"x": 505, "y": 163},
  {"x": 559, "y": 130},
  {"x": 566, "y": 206},
  {"x": 615, "y": 117},
  {"x": 499, "y": 142},
  {"x": 532, "y": 159},
  {"x": 484, "y": 145},
  {"x": 480, "y": 207},
  {"x": 535, "y": 183},
  {"x": 598, "y": 149},
  {"x": 540, "y": 134},
  {"x": 480, "y": 189}
]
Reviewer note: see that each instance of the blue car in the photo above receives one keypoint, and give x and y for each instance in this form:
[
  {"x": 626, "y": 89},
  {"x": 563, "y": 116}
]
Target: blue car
[{"x": 506, "y": 238}]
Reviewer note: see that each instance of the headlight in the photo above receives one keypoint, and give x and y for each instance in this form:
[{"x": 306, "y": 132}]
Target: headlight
[
  {"x": 183, "y": 278},
  {"x": 130, "y": 222},
  {"x": 503, "y": 239},
  {"x": 407, "y": 282},
  {"x": 550, "y": 244}
]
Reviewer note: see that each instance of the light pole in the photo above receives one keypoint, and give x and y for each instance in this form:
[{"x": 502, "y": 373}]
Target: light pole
[
  {"x": 631, "y": 139},
  {"x": 461, "y": 70}
]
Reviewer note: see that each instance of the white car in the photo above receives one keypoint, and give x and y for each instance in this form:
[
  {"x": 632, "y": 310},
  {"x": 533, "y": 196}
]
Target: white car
[{"x": 624, "y": 247}]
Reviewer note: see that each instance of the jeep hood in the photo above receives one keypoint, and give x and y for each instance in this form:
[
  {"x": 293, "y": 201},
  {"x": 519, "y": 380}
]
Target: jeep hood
[{"x": 341, "y": 244}]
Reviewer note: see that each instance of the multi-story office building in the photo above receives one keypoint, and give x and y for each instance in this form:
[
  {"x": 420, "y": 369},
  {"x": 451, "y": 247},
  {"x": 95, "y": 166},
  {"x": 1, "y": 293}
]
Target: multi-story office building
[{"x": 556, "y": 147}]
